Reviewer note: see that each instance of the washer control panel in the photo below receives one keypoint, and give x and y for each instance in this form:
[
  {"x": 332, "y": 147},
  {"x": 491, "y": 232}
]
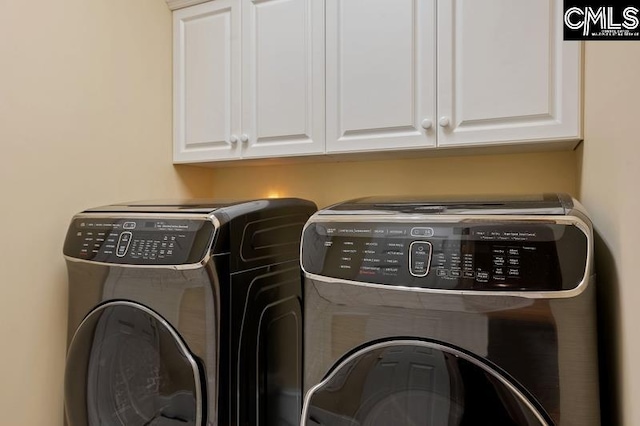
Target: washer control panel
[
  {"x": 509, "y": 255},
  {"x": 139, "y": 241}
]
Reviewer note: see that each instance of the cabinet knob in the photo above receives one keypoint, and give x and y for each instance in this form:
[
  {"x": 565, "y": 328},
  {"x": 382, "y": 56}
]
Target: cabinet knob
[
  {"x": 233, "y": 140},
  {"x": 426, "y": 124},
  {"x": 244, "y": 138},
  {"x": 443, "y": 122}
]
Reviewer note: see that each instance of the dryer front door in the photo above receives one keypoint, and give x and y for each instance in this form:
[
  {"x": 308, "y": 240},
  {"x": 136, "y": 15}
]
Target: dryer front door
[
  {"x": 406, "y": 382},
  {"x": 127, "y": 366}
]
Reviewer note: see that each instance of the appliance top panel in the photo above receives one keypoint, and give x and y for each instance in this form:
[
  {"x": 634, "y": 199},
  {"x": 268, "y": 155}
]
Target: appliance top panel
[
  {"x": 541, "y": 204},
  {"x": 193, "y": 206},
  {"x": 182, "y": 232},
  {"x": 139, "y": 240},
  {"x": 525, "y": 256}
]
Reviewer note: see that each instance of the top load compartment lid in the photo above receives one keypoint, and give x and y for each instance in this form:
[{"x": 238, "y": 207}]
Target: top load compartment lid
[
  {"x": 540, "y": 204},
  {"x": 165, "y": 206}
]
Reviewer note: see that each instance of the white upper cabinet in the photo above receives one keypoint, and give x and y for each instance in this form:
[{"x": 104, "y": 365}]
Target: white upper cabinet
[
  {"x": 380, "y": 74},
  {"x": 281, "y": 78},
  {"x": 259, "y": 93},
  {"x": 206, "y": 109},
  {"x": 505, "y": 74}
]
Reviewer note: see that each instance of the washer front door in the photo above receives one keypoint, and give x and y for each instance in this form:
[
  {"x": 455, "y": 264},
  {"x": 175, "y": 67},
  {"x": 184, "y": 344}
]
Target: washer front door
[
  {"x": 127, "y": 366},
  {"x": 406, "y": 382}
]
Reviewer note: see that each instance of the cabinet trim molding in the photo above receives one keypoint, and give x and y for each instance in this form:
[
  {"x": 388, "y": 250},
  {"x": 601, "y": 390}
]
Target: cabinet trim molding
[{"x": 179, "y": 4}]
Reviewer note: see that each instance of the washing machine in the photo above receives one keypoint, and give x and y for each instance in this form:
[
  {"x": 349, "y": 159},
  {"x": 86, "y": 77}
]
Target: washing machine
[
  {"x": 450, "y": 311},
  {"x": 185, "y": 313}
]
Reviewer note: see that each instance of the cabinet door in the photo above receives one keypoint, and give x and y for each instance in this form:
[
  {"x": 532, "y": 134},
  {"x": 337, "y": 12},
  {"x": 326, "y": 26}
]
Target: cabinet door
[
  {"x": 380, "y": 74},
  {"x": 283, "y": 77},
  {"x": 206, "y": 81},
  {"x": 505, "y": 74}
]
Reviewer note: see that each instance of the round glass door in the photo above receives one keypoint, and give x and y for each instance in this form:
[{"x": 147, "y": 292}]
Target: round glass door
[
  {"x": 416, "y": 383},
  {"x": 127, "y": 366}
]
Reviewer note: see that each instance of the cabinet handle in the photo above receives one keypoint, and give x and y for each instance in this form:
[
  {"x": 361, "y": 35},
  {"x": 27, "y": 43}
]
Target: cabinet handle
[
  {"x": 443, "y": 122},
  {"x": 233, "y": 140},
  {"x": 426, "y": 124},
  {"x": 244, "y": 138}
]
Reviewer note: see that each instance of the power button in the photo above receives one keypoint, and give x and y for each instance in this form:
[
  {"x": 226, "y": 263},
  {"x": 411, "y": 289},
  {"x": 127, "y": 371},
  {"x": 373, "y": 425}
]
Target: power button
[
  {"x": 419, "y": 258},
  {"x": 123, "y": 244}
]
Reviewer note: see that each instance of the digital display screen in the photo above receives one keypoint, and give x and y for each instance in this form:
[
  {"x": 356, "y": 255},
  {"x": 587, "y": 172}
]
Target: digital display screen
[
  {"x": 139, "y": 241},
  {"x": 511, "y": 256}
]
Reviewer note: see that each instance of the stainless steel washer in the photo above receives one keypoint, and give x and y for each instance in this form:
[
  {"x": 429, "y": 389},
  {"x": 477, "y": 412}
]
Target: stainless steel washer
[
  {"x": 185, "y": 313},
  {"x": 450, "y": 312}
]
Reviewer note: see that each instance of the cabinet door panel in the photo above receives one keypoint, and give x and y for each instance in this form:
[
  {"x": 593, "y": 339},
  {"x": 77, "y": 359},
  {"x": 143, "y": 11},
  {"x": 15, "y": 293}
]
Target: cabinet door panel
[
  {"x": 206, "y": 86},
  {"x": 504, "y": 72},
  {"x": 380, "y": 74},
  {"x": 283, "y": 77}
]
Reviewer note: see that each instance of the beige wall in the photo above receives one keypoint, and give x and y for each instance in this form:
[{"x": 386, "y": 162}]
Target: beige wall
[
  {"x": 85, "y": 119},
  {"x": 610, "y": 189},
  {"x": 326, "y": 183}
]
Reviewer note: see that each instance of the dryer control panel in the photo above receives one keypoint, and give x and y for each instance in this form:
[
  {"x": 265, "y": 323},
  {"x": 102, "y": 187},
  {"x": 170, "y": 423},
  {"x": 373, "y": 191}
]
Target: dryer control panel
[
  {"x": 514, "y": 256},
  {"x": 139, "y": 241}
]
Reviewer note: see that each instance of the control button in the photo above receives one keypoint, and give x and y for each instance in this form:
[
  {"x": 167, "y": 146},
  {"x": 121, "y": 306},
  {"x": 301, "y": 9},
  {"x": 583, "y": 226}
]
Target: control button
[
  {"x": 513, "y": 272},
  {"x": 514, "y": 261},
  {"x": 498, "y": 260},
  {"x": 397, "y": 232},
  {"x": 482, "y": 276},
  {"x": 123, "y": 244},
  {"x": 390, "y": 271},
  {"x": 499, "y": 278},
  {"x": 419, "y": 258},
  {"x": 498, "y": 271},
  {"x": 421, "y": 232},
  {"x": 393, "y": 246},
  {"x": 469, "y": 274},
  {"x": 514, "y": 252},
  {"x": 129, "y": 225},
  {"x": 455, "y": 273},
  {"x": 441, "y": 272},
  {"x": 499, "y": 251}
]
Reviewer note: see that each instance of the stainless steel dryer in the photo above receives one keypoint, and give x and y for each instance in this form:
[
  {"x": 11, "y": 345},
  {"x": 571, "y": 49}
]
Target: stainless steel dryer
[
  {"x": 185, "y": 314},
  {"x": 450, "y": 312}
]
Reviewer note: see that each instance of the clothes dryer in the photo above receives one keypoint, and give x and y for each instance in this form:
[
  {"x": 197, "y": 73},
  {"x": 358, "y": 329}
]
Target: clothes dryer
[
  {"x": 185, "y": 314},
  {"x": 450, "y": 312}
]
